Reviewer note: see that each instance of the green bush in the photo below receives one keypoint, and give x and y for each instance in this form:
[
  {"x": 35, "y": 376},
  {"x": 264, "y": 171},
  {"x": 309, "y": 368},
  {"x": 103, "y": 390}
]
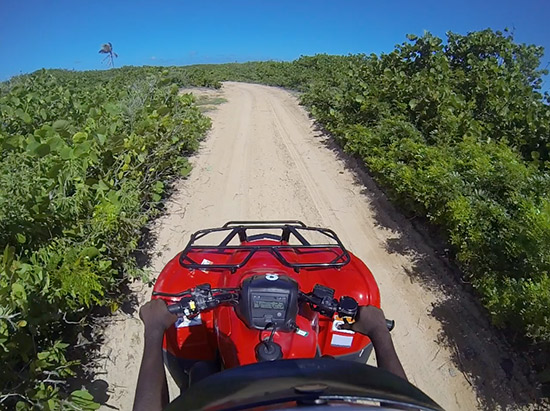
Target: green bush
[
  {"x": 84, "y": 164},
  {"x": 458, "y": 133}
]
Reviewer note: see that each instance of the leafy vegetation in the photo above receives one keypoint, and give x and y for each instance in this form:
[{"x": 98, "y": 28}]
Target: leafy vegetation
[
  {"x": 84, "y": 163},
  {"x": 460, "y": 134},
  {"x": 457, "y": 132}
]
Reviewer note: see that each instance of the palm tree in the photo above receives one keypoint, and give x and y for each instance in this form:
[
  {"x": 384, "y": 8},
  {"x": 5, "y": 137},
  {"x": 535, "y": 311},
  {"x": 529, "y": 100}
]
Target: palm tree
[{"x": 108, "y": 49}]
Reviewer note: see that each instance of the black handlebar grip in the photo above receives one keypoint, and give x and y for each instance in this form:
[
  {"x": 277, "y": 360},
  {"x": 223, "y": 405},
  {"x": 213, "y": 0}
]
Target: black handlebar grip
[
  {"x": 390, "y": 324},
  {"x": 175, "y": 308}
]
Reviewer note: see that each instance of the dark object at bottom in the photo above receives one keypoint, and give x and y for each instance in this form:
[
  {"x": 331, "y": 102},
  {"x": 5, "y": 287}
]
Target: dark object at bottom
[{"x": 282, "y": 382}]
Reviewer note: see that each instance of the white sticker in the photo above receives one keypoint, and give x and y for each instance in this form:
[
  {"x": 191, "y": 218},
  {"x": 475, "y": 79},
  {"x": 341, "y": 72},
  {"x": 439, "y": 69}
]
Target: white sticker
[
  {"x": 206, "y": 262},
  {"x": 183, "y": 322},
  {"x": 335, "y": 325},
  {"x": 341, "y": 340},
  {"x": 301, "y": 333}
]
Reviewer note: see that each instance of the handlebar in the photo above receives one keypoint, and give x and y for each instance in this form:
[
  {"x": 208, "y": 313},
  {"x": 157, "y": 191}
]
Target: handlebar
[
  {"x": 177, "y": 308},
  {"x": 321, "y": 299},
  {"x": 202, "y": 298}
]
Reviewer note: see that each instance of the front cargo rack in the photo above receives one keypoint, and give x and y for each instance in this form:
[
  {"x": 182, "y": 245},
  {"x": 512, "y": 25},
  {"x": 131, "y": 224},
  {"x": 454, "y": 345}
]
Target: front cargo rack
[{"x": 290, "y": 231}]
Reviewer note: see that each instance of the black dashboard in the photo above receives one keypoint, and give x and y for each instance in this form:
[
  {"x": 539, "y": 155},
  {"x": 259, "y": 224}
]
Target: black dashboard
[{"x": 269, "y": 301}]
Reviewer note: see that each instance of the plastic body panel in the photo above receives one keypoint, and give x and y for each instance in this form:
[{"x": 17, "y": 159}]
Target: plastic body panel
[{"x": 222, "y": 334}]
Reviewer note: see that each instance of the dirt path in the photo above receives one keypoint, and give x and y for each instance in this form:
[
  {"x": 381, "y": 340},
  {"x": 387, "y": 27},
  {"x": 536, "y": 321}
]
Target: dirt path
[{"x": 265, "y": 160}]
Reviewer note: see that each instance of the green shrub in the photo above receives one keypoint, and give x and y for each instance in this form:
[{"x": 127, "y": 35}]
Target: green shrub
[
  {"x": 84, "y": 163},
  {"x": 458, "y": 132}
]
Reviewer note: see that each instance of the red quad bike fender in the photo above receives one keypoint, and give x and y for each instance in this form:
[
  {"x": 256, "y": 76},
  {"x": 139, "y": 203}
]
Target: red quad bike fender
[{"x": 220, "y": 334}]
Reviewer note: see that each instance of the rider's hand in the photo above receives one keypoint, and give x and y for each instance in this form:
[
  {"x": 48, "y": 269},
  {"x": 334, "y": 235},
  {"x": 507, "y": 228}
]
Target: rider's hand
[
  {"x": 156, "y": 317},
  {"x": 370, "y": 320}
]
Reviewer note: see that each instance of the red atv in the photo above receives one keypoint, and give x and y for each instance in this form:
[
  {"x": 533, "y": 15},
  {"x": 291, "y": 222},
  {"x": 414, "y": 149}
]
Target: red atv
[{"x": 250, "y": 292}]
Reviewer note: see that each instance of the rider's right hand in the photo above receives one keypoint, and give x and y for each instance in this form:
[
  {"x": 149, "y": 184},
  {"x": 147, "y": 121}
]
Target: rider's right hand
[{"x": 370, "y": 320}]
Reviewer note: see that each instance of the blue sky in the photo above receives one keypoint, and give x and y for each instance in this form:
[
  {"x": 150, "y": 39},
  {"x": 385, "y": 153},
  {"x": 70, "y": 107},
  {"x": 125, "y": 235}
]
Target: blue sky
[{"x": 68, "y": 34}]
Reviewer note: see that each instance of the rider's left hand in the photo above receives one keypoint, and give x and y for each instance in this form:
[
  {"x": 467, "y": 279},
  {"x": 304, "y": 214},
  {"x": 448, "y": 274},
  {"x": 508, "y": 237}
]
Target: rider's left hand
[{"x": 156, "y": 317}]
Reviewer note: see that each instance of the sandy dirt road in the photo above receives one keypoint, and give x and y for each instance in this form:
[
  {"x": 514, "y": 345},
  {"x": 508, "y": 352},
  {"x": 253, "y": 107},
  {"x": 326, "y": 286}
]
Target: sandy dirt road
[{"x": 264, "y": 159}]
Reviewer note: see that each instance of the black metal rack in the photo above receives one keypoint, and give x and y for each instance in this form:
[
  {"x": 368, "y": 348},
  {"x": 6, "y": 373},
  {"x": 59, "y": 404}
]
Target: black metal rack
[{"x": 289, "y": 228}]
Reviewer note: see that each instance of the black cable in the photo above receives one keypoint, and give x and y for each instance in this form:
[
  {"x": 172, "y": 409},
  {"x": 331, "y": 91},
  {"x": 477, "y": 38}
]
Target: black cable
[{"x": 270, "y": 338}]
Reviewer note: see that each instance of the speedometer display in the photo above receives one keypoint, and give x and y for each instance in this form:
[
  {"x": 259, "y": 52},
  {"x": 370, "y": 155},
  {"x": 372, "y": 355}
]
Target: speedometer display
[{"x": 269, "y": 305}]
